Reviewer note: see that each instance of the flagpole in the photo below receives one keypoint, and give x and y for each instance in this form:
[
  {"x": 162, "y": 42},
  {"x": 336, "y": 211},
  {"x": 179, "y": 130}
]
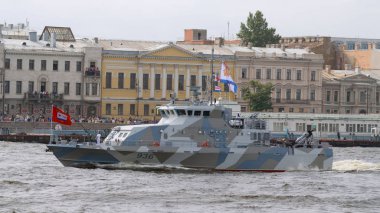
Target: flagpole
[
  {"x": 212, "y": 73},
  {"x": 51, "y": 125}
]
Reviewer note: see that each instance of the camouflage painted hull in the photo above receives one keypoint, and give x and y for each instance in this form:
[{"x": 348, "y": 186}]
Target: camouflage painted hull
[{"x": 260, "y": 158}]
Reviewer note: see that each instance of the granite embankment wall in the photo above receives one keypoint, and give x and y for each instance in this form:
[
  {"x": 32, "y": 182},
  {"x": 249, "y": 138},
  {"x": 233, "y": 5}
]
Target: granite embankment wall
[{"x": 37, "y": 127}]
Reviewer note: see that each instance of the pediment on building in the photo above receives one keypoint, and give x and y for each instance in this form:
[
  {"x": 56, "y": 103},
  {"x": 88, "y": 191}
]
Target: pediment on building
[
  {"x": 359, "y": 78},
  {"x": 170, "y": 50}
]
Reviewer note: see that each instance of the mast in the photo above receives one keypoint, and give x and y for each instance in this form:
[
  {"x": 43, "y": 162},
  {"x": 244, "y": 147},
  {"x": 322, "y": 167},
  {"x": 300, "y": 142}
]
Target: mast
[{"x": 212, "y": 74}]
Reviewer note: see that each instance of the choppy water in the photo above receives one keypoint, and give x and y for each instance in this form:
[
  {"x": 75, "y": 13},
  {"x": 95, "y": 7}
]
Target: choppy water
[{"x": 32, "y": 180}]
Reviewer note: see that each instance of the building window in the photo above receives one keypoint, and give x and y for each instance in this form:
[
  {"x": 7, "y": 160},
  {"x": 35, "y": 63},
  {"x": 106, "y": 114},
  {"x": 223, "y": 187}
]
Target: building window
[
  {"x": 244, "y": 72},
  {"x": 87, "y": 89},
  {"x": 204, "y": 82},
  {"x": 348, "y": 97},
  {"x": 19, "y": 64},
  {"x": 278, "y": 95},
  {"x": 145, "y": 81},
  {"x": 313, "y": 73},
  {"x": 269, "y": 73},
  {"x": 157, "y": 81},
  {"x": 146, "y": 109},
  {"x": 94, "y": 89},
  {"x": 336, "y": 95},
  {"x": 79, "y": 66},
  {"x": 364, "y": 46},
  {"x": 181, "y": 80},
  {"x": 278, "y": 76},
  {"x": 377, "y": 98},
  {"x": 193, "y": 80},
  {"x": 226, "y": 88},
  {"x": 132, "y": 82},
  {"x": 78, "y": 89},
  {"x": 258, "y": 73},
  {"x": 7, "y": 63},
  {"x": 55, "y": 65},
  {"x": 298, "y": 94},
  {"x": 291, "y": 109},
  {"x": 132, "y": 109},
  {"x": 43, "y": 65},
  {"x": 18, "y": 87},
  {"x": 120, "y": 109},
  {"x": 67, "y": 66},
  {"x": 363, "y": 95},
  {"x": 67, "y": 88},
  {"x": 312, "y": 95},
  {"x": 169, "y": 82},
  {"x": 120, "y": 81},
  {"x": 108, "y": 109},
  {"x": 6, "y": 87},
  {"x": 288, "y": 74},
  {"x": 108, "y": 80},
  {"x": 328, "y": 96},
  {"x": 299, "y": 75},
  {"x": 92, "y": 64},
  {"x": 31, "y": 64},
  {"x": 66, "y": 108},
  {"x": 31, "y": 87},
  {"x": 55, "y": 88},
  {"x": 288, "y": 94},
  {"x": 78, "y": 109},
  {"x": 350, "y": 45},
  {"x": 301, "y": 110}
]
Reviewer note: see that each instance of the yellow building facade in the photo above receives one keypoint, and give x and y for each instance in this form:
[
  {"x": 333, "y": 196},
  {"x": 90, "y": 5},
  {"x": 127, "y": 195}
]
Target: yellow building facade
[{"x": 135, "y": 82}]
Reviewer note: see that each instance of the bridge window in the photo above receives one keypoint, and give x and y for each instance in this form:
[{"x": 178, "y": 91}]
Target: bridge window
[
  {"x": 206, "y": 113},
  {"x": 181, "y": 112},
  {"x": 189, "y": 112},
  {"x": 197, "y": 113}
]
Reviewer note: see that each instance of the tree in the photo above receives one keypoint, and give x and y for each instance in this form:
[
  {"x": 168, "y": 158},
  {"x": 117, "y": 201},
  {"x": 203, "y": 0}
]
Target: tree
[
  {"x": 260, "y": 98},
  {"x": 256, "y": 31}
]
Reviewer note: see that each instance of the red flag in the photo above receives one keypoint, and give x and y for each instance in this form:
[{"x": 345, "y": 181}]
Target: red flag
[{"x": 60, "y": 116}]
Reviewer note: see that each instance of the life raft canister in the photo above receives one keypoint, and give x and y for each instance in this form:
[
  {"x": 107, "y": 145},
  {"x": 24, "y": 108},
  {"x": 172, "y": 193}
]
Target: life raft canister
[
  {"x": 204, "y": 144},
  {"x": 155, "y": 143}
]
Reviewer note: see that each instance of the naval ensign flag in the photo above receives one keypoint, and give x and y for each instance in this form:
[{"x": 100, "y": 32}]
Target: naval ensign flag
[{"x": 60, "y": 116}]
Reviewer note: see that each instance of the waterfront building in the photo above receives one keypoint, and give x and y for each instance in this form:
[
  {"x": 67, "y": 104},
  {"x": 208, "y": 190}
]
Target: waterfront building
[
  {"x": 351, "y": 91},
  {"x": 54, "y": 69},
  {"x": 295, "y": 74},
  {"x": 357, "y": 52},
  {"x": 138, "y": 76}
]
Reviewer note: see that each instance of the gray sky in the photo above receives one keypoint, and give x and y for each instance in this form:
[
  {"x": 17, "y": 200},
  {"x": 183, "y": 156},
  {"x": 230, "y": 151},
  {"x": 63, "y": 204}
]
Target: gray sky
[{"x": 164, "y": 20}]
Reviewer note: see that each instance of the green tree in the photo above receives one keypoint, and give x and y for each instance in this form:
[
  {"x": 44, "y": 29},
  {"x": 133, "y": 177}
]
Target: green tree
[
  {"x": 258, "y": 95},
  {"x": 256, "y": 31}
]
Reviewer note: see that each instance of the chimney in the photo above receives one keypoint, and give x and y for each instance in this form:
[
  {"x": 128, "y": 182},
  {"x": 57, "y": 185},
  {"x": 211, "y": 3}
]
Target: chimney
[
  {"x": 357, "y": 70},
  {"x": 347, "y": 66},
  {"x": 45, "y": 36},
  {"x": 250, "y": 45},
  {"x": 328, "y": 68},
  {"x": 96, "y": 39},
  {"x": 53, "y": 40},
  {"x": 33, "y": 36}
]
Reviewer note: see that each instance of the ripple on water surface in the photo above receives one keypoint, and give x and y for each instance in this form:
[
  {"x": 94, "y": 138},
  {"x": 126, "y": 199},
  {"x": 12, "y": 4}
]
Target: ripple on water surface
[{"x": 32, "y": 180}]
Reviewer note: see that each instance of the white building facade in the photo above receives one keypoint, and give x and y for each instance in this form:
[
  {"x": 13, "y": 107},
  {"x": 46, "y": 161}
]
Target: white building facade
[{"x": 35, "y": 74}]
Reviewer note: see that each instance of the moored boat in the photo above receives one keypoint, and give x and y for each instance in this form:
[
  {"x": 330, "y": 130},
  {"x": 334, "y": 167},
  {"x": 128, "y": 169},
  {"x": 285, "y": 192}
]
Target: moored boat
[{"x": 200, "y": 136}]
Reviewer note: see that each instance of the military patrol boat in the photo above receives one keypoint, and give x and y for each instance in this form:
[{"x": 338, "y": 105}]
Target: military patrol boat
[{"x": 200, "y": 136}]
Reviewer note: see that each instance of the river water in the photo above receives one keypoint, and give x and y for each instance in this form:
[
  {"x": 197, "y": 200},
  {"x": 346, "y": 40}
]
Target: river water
[{"x": 32, "y": 180}]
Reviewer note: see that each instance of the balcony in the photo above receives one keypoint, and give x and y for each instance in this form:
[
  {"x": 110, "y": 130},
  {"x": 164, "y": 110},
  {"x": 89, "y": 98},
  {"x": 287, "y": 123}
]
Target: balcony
[
  {"x": 42, "y": 97},
  {"x": 92, "y": 72}
]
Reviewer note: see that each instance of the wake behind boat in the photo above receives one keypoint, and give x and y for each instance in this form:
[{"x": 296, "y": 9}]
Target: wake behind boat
[{"x": 200, "y": 136}]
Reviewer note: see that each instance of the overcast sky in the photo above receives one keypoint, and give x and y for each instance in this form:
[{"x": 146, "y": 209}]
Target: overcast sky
[{"x": 164, "y": 20}]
